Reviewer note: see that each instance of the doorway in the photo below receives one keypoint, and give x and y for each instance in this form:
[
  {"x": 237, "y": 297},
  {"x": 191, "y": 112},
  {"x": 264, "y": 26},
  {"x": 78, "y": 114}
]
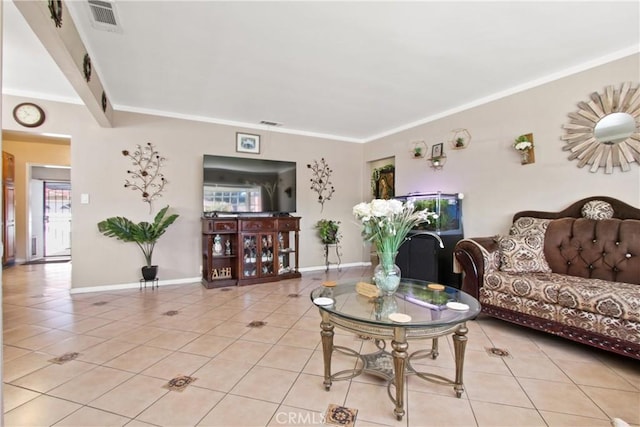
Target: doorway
[
  {"x": 57, "y": 219},
  {"x": 49, "y": 214}
]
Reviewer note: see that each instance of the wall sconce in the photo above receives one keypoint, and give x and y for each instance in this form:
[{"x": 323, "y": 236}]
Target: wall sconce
[
  {"x": 460, "y": 138},
  {"x": 524, "y": 145},
  {"x": 418, "y": 149}
]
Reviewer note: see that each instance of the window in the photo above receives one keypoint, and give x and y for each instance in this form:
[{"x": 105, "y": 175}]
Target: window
[{"x": 232, "y": 199}]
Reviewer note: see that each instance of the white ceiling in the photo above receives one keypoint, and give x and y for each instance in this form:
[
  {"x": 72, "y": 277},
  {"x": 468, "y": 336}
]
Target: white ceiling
[{"x": 349, "y": 70}]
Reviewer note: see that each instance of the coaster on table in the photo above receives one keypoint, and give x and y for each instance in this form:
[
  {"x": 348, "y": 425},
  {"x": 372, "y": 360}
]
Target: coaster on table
[
  {"x": 322, "y": 301},
  {"x": 435, "y": 287},
  {"x": 329, "y": 283},
  {"x": 400, "y": 317},
  {"x": 458, "y": 306}
]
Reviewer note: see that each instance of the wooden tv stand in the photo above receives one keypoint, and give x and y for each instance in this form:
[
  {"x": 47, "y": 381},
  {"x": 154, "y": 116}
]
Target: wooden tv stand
[{"x": 248, "y": 250}]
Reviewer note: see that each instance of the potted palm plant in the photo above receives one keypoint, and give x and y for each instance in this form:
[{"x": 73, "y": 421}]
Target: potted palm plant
[
  {"x": 143, "y": 234},
  {"x": 328, "y": 231}
]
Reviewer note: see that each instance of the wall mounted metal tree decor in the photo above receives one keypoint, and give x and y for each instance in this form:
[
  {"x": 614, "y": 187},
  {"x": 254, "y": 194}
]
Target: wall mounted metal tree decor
[
  {"x": 320, "y": 183},
  {"x": 145, "y": 175}
]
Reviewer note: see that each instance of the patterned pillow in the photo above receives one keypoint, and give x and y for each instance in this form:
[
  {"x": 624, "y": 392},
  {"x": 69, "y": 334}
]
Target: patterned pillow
[
  {"x": 491, "y": 260},
  {"x": 529, "y": 225},
  {"x": 523, "y": 254},
  {"x": 597, "y": 209}
]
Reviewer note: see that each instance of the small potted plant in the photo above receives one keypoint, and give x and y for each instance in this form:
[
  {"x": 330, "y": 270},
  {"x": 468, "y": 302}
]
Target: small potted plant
[
  {"x": 328, "y": 230},
  {"x": 459, "y": 142},
  {"x": 417, "y": 151},
  {"x": 143, "y": 234}
]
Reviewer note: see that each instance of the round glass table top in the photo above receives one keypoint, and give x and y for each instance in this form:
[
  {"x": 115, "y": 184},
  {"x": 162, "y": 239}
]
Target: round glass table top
[{"x": 413, "y": 305}]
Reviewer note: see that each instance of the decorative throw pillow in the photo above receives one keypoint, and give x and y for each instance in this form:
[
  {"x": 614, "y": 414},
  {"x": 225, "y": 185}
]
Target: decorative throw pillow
[
  {"x": 597, "y": 209},
  {"x": 529, "y": 225},
  {"x": 491, "y": 260},
  {"x": 523, "y": 254}
]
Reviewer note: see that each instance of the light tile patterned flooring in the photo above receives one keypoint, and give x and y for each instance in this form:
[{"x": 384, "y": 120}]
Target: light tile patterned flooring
[{"x": 129, "y": 349}]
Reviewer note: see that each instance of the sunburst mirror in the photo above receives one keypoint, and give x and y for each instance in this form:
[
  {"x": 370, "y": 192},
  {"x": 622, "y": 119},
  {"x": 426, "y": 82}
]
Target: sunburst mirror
[{"x": 605, "y": 131}]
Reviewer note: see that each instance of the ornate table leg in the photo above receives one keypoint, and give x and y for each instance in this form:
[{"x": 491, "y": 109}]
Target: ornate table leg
[
  {"x": 327, "y": 349},
  {"x": 400, "y": 356},
  {"x": 434, "y": 348},
  {"x": 459, "y": 344}
]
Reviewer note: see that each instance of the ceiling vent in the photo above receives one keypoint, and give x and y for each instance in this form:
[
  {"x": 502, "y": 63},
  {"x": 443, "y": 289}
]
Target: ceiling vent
[
  {"x": 269, "y": 123},
  {"x": 103, "y": 16}
]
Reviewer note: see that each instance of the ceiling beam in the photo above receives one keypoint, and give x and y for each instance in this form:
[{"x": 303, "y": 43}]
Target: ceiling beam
[{"x": 65, "y": 46}]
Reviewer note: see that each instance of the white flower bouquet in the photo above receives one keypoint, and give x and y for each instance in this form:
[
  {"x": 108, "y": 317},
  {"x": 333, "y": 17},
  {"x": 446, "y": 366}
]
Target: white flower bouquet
[
  {"x": 386, "y": 223},
  {"x": 522, "y": 143}
]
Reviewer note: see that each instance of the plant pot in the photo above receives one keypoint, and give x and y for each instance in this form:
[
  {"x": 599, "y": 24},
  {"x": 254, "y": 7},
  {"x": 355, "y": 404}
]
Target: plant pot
[{"x": 149, "y": 273}]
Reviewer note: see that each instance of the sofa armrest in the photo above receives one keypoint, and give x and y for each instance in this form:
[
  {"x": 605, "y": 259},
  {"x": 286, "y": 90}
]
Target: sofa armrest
[{"x": 470, "y": 257}]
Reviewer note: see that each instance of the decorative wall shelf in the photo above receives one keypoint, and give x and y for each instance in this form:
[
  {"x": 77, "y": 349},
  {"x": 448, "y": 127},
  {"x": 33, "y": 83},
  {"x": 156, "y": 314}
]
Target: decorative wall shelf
[
  {"x": 437, "y": 163},
  {"x": 459, "y": 139}
]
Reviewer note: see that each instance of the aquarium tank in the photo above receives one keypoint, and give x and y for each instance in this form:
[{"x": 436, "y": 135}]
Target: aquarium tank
[
  {"x": 420, "y": 257},
  {"x": 448, "y": 207}
]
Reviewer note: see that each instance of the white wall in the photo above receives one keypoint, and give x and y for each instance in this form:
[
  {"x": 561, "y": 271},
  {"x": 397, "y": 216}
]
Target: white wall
[
  {"x": 35, "y": 226},
  {"x": 489, "y": 172},
  {"x": 99, "y": 169}
]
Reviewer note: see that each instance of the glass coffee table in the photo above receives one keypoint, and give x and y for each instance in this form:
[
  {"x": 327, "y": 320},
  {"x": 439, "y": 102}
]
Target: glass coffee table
[{"x": 414, "y": 312}]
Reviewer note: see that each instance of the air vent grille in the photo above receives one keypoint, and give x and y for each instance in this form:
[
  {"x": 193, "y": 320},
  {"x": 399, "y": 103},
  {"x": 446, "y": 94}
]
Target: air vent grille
[
  {"x": 104, "y": 16},
  {"x": 270, "y": 123}
]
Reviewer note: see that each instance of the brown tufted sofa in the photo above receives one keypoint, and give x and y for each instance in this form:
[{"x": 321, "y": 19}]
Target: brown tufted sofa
[{"x": 590, "y": 291}]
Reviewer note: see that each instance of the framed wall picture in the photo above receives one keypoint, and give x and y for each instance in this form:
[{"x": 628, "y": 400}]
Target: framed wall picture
[
  {"x": 247, "y": 143},
  {"x": 436, "y": 150},
  {"x": 385, "y": 185}
]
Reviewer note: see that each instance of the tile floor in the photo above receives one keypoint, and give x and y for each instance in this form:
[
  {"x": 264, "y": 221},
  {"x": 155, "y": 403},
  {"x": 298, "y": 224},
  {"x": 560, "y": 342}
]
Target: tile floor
[{"x": 129, "y": 344}]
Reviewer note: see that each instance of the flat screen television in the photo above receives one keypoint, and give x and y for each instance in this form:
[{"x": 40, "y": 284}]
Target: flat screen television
[{"x": 242, "y": 185}]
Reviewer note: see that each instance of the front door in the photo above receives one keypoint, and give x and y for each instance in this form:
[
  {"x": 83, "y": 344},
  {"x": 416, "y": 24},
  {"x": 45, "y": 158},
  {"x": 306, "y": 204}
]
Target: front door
[{"x": 57, "y": 218}]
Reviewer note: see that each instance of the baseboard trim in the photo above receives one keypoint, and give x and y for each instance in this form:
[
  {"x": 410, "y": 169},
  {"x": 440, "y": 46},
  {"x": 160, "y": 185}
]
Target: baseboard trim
[
  {"x": 333, "y": 266},
  {"x": 135, "y": 285},
  {"x": 121, "y": 286}
]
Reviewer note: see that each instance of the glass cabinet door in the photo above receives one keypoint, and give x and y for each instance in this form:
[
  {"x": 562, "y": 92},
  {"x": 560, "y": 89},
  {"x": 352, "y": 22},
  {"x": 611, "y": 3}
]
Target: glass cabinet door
[
  {"x": 285, "y": 252},
  {"x": 250, "y": 255},
  {"x": 266, "y": 254}
]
